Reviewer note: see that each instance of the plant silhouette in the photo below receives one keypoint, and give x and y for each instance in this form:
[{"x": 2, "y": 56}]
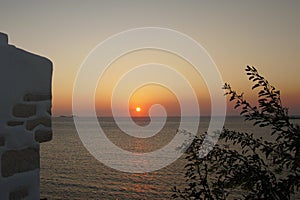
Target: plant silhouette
[{"x": 256, "y": 167}]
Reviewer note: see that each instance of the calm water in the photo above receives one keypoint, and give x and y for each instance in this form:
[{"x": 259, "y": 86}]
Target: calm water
[{"x": 68, "y": 171}]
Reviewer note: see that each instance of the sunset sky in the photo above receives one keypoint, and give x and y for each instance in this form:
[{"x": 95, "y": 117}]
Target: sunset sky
[{"x": 265, "y": 34}]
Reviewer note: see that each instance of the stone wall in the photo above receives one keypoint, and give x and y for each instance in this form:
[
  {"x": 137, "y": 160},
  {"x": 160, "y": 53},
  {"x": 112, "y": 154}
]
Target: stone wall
[{"x": 25, "y": 119}]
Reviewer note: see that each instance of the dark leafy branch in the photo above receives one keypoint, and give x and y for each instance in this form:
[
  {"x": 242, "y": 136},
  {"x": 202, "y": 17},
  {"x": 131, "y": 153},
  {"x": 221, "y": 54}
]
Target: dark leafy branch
[{"x": 262, "y": 169}]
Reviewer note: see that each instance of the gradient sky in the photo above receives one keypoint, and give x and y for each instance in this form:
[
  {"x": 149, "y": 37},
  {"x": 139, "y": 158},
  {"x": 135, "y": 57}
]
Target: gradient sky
[{"x": 265, "y": 34}]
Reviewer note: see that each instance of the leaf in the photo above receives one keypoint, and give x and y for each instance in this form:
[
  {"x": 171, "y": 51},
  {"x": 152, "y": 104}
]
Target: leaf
[
  {"x": 255, "y": 86},
  {"x": 257, "y": 122},
  {"x": 237, "y": 105},
  {"x": 244, "y": 111},
  {"x": 232, "y": 98}
]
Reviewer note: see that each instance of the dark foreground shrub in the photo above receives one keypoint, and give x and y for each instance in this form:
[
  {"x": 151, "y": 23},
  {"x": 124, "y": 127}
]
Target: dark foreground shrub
[{"x": 258, "y": 168}]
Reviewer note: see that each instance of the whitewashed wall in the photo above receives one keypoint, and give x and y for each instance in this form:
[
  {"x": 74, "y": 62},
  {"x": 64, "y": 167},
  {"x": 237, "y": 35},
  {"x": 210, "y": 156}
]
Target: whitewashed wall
[{"x": 25, "y": 119}]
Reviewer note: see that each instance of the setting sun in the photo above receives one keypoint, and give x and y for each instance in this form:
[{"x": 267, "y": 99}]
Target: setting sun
[{"x": 138, "y": 109}]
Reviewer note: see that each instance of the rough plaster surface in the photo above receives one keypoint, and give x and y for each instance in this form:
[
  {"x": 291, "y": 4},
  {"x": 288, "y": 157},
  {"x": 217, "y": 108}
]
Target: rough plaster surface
[{"x": 25, "y": 119}]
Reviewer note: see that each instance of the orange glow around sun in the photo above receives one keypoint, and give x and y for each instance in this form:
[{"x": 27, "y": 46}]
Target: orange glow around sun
[{"x": 138, "y": 109}]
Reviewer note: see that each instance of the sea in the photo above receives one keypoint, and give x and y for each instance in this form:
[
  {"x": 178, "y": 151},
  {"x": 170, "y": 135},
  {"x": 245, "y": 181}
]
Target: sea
[{"x": 69, "y": 171}]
